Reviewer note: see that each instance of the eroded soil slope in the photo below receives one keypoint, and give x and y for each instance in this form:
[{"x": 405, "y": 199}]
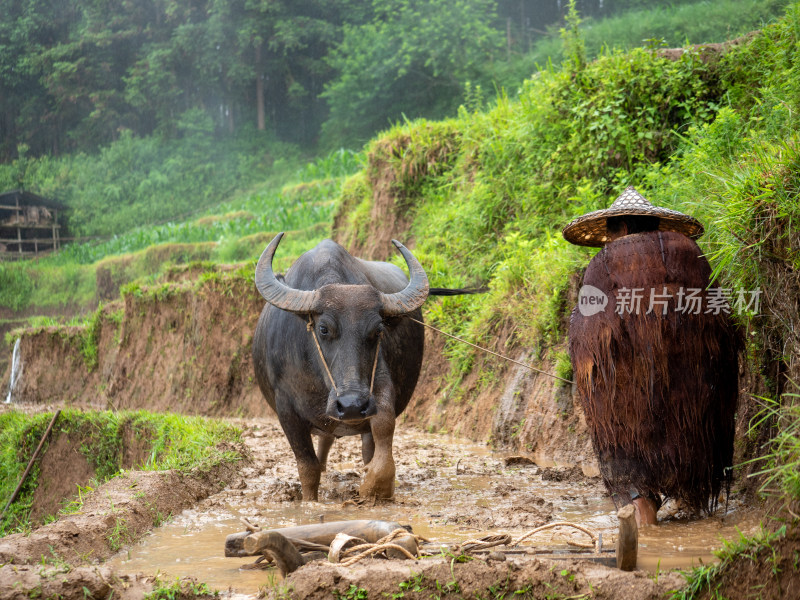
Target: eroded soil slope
[{"x": 179, "y": 347}]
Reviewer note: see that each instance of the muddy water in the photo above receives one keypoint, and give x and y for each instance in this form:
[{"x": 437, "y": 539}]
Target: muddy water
[{"x": 448, "y": 490}]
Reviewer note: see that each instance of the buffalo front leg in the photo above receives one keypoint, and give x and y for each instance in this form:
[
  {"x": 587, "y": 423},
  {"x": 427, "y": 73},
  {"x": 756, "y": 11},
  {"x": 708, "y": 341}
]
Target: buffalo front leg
[
  {"x": 379, "y": 478},
  {"x": 298, "y": 432}
]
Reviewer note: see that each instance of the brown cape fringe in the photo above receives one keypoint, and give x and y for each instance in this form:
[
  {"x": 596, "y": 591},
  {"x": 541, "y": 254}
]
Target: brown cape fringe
[{"x": 659, "y": 391}]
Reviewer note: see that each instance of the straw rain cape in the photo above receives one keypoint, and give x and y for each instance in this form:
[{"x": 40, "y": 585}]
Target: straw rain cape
[{"x": 659, "y": 388}]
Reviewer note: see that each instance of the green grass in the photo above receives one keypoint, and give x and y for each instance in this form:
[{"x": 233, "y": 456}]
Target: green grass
[
  {"x": 141, "y": 181},
  {"x": 294, "y": 201},
  {"x": 237, "y": 230},
  {"x": 779, "y": 467},
  {"x": 704, "y": 581},
  {"x": 180, "y": 589},
  {"x": 176, "y": 442},
  {"x": 671, "y": 26}
]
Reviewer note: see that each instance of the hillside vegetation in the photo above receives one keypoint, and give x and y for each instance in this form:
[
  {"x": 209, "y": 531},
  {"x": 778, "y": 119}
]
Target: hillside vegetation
[
  {"x": 211, "y": 193},
  {"x": 711, "y": 132}
]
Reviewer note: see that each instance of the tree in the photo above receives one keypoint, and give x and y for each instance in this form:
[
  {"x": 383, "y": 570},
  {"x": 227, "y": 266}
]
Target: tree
[
  {"x": 246, "y": 62},
  {"x": 413, "y": 58},
  {"x": 27, "y": 28}
]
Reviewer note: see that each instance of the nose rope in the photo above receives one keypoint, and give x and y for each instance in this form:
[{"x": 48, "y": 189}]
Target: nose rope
[
  {"x": 375, "y": 363},
  {"x": 310, "y": 327}
]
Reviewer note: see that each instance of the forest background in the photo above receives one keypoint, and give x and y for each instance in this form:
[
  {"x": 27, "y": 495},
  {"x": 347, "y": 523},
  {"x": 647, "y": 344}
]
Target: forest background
[{"x": 75, "y": 75}]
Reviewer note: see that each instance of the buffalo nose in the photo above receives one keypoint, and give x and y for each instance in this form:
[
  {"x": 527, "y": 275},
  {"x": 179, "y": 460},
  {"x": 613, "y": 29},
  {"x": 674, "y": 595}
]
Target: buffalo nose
[{"x": 353, "y": 407}]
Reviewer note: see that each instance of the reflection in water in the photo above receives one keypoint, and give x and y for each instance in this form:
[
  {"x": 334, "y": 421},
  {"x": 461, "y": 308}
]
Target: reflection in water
[{"x": 432, "y": 498}]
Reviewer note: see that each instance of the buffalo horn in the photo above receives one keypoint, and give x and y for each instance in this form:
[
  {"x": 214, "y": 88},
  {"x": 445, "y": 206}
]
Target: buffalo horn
[
  {"x": 277, "y": 293},
  {"x": 300, "y": 301},
  {"x": 414, "y": 294}
]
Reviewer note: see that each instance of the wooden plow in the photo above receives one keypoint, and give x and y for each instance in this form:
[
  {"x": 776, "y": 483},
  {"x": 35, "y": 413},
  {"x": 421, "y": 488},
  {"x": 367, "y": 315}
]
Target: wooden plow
[{"x": 347, "y": 542}]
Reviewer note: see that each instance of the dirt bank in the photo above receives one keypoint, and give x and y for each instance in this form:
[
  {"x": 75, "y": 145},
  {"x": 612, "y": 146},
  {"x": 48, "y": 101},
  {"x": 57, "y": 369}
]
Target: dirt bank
[
  {"x": 180, "y": 347},
  {"x": 115, "y": 515},
  {"x": 524, "y": 578},
  {"x": 64, "y": 465},
  {"x": 747, "y": 577},
  {"x": 63, "y": 558},
  {"x": 65, "y": 582},
  {"x": 518, "y": 409}
]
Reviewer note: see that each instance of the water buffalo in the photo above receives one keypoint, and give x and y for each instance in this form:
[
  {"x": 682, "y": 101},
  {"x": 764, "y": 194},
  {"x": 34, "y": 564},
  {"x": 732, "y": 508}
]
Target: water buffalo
[{"x": 334, "y": 356}]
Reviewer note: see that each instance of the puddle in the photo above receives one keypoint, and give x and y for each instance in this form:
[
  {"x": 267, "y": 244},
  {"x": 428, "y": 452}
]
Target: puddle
[
  {"x": 448, "y": 490},
  {"x": 683, "y": 543}
]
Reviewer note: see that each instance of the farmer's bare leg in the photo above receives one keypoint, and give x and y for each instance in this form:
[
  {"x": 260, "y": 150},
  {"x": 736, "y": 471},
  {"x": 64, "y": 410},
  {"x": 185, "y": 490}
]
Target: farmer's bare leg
[{"x": 646, "y": 511}]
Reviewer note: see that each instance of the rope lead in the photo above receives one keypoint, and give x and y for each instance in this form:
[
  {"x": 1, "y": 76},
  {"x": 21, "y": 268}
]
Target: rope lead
[
  {"x": 516, "y": 362},
  {"x": 310, "y": 327}
]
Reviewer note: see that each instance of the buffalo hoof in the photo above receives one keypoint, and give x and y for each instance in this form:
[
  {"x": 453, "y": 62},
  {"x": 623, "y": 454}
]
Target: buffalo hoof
[{"x": 379, "y": 490}]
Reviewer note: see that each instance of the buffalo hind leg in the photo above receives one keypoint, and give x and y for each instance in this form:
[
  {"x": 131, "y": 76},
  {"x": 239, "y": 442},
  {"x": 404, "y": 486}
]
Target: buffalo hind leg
[
  {"x": 379, "y": 478},
  {"x": 324, "y": 443},
  {"x": 367, "y": 447},
  {"x": 298, "y": 433}
]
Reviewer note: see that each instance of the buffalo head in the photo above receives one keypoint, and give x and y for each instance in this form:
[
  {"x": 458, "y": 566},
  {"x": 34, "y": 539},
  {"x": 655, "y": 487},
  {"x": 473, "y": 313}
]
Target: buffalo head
[{"x": 346, "y": 323}]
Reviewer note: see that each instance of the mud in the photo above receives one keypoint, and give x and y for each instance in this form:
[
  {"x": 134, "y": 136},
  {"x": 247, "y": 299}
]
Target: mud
[{"x": 449, "y": 490}]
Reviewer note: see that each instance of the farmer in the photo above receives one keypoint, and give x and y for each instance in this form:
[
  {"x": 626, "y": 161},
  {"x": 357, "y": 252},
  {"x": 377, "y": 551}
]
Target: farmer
[{"x": 655, "y": 357}]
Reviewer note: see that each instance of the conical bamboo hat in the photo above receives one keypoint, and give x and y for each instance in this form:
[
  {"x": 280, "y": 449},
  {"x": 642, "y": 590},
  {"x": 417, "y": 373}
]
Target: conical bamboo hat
[{"x": 590, "y": 229}]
